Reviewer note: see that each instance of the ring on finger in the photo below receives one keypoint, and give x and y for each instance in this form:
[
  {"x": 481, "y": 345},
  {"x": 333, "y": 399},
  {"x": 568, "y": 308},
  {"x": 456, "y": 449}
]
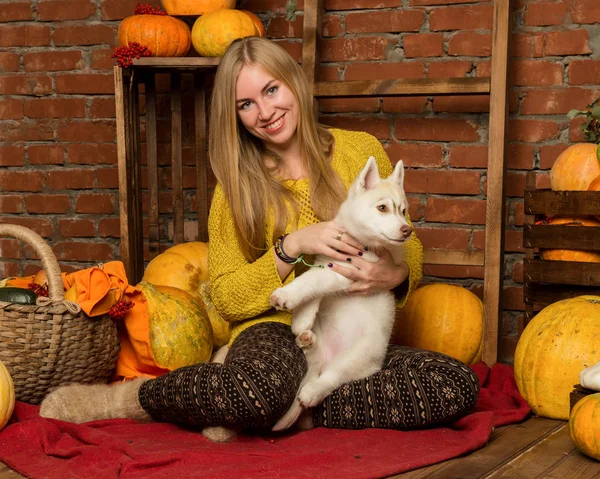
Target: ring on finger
[{"x": 339, "y": 235}]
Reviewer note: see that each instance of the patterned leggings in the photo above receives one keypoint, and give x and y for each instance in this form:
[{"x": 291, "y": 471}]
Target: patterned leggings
[{"x": 263, "y": 370}]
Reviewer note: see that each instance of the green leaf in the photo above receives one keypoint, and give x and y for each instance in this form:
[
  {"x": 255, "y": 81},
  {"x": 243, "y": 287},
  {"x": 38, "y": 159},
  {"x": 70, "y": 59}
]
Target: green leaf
[
  {"x": 598, "y": 152},
  {"x": 596, "y": 112},
  {"x": 290, "y": 10},
  {"x": 574, "y": 113}
]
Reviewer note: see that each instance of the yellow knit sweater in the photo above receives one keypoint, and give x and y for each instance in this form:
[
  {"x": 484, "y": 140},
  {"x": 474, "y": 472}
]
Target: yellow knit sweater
[{"x": 240, "y": 290}]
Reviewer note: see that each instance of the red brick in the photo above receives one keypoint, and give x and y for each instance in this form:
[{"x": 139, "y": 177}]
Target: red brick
[
  {"x": 70, "y": 179},
  {"x": 88, "y": 83},
  {"x": 55, "y": 108},
  {"x": 476, "y": 17},
  {"x": 83, "y": 251},
  {"x": 95, "y": 203},
  {"x": 532, "y": 131},
  {"x": 109, "y": 227},
  {"x": 10, "y": 249},
  {"x": 517, "y": 272},
  {"x": 453, "y": 272},
  {"x": 76, "y": 228},
  {"x": 88, "y": 131},
  {"x": 11, "y": 109},
  {"x": 119, "y": 9},
  {"x": 378, "y": 127},
  {"x": 549, "y": 153},
  {"x": 575, "y": 133},
  {"x": 440, "y": 2},
  {"x": 28, "y": 130},
  {"x": 536, "y": 73},
  {"x": 28, "y": 35},
  {"x": 344, "y": 105},
  {"x": 53, "y": 61},
  {"x": 41, "y": 226},
  {"x": 449, "y": 69},
  {"x": 10, "y": 268},
  {"x": 586, "y": 11},
  {"x": 444, "y": 238},
  {"x": 556, "y": 101},
  {"x": 101, "y": 60},
  {"x": 108, "y": 178},
  {"x": 357, "y": 49},
  {"x": 584, "y": 72},
  {"x": 571, "y": 42},
  {"x": 443, "y": 182},
  {"x": 474, "y": 156},
  {"x": 515, "y": 184},
  {"x": 93, "y": 34},
  {"x": 332, "y": 26},
  {"x": 393, "y": 21},
  {"x": 294, "y": 49},
  {"x": 92, "y": 154},
  {"x": 520, "y": 156},
  {"x": 279, "y": 27},
  {"x": 9, "y": 62},
  {"x": 443, "y": 210},
  {"x": 12, "y": 155},
  {"x": 47, "y": 204},
  {"x": 405, "y": 104},
  {"x": 543, "y": 14},
  {"x": 470, "y": 44},
  {"x": 416, "y": 210},
  {"x": 65, "y": 10},
  {"x": 527, "y": 45},
  {"x": 462, "y": 103},
  {"x": 384, "y": 71},
  {"x": 415, "y": 154},
  {"x": 423, "y": 45},
  {"x": 513, "y": 298},
  {"x": 11, "y": 180},
  {"x": 16, "y": 12},
  {"x": 45, "y": 154},
  {"x": 25, "y": 85},
  {"x": 434, "y": 129},
  {"x": 519, "y": 214},
  {"x": 103, "y": 108}
]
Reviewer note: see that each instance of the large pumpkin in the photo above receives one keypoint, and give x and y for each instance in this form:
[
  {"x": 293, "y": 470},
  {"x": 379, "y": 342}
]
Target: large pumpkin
[
  {"x": 180, "y": 332},
  {"x": 556, "y": 345},
  {"x": 165, "y": 36},
  {"x": 260, "y": 28},
  {"x": 213, "y": 33},
  {"x": 7, "y": 396},
  {"x": 567, "y": 254},
  {"x": 584, "y": 425},
  {"x": 575, "y": 168},
  {"x": 195, "y": 7},
  {"x": 444, "y": 318}
]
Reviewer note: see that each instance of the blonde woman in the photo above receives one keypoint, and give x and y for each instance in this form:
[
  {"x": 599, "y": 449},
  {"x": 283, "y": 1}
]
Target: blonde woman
[{"x": 281, "y": 178}]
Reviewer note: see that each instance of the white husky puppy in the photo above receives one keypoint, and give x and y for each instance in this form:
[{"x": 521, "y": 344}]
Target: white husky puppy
[{"x": 345, "y": 337}]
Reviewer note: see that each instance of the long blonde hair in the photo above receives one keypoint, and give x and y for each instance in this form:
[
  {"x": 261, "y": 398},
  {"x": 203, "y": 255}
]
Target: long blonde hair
[{"x": 237, "y": 157}]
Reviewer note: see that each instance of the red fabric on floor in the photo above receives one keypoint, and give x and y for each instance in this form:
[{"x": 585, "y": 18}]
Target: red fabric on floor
[{"x": 45, "y": 448}]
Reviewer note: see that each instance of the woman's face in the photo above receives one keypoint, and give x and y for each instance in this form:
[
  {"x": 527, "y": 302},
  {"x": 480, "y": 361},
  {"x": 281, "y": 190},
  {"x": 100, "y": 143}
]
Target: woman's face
[{"x": 266, "y": 107}]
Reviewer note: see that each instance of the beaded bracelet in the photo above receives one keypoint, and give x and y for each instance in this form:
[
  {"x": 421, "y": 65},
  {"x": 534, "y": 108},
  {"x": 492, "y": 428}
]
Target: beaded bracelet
[{"x": 288, "y": 259}]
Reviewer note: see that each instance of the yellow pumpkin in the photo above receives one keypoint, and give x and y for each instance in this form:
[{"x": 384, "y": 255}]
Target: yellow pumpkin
[
  {"x": 575, "y": 168},
  {"x": 568, "y": 254},
  {"x": 442, "y": 317},
  {"x": 556, "y": 345},
  {"x": 7, "y": 396},
  {"x": 165, "y": 36},
  {"x": 260, "y": 28},
  {"x": 180, "y": 332},
  {"x": 195, "y": 7},
  {"x": 213, "y": 32},
  {"x": 584, "y": 425}
]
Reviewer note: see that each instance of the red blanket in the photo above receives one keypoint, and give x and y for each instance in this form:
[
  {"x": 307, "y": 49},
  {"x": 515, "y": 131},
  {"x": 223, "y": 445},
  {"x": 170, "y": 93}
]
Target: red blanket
[{"x": 46, "y": 448}]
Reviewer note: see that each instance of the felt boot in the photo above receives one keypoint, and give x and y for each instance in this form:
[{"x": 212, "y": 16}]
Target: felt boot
[{"x": 89, "y": 402}]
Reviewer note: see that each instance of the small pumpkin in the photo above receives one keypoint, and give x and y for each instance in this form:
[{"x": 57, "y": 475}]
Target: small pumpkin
[
  {"x": 560, "y": 341},
  {"x": 213, "y": 32},
  {"x": 442, "y": 317},
  {"x": 260, "y": 28},
  {"x": 180, "y": 332},
  {"x": 165, "y": 36},
  {"x": 7, "y": 396},
  {"x": 195, "y": 7},
  {"x": 567, "y": 254},
  {"x": 575, "y": 168},
  {"x": 584, "y": 425}
]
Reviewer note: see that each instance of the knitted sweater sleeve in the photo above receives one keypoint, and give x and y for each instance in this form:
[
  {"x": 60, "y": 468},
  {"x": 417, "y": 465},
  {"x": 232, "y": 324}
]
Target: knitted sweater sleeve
[{"x": 239, "y": 289}]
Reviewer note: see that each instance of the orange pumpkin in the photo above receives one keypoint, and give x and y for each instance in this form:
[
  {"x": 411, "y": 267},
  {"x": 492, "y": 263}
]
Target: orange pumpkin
[
  {"x": 595, "y": 186},
  {"x": 584, "y": 425},
  {"x": 165, "y": 36},
  {"x": 7, "y": 395},
  {"x": 195, "y": 7},
  {"x": 260, "y": 28},
  {"x": 568, "y": 254},
  {"x": 213, "y": 32},
  {"x": 575, "y": 168}
]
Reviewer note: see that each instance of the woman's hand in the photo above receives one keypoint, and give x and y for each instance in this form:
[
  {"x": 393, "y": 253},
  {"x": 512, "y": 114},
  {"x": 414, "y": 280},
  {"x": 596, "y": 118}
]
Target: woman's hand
[{"x": 384, "y": 275}]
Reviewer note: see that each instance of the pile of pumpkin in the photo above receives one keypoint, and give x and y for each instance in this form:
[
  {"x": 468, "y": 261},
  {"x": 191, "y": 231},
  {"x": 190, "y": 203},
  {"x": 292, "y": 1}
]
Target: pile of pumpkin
[{"x": 164, "y": 35}]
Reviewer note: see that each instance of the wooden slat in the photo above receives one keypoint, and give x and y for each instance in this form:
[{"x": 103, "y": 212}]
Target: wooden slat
[
  {"x": 453, "y": 257},
  {"x": 548, "y": 202},
  {"x": 152, "y": 166},
  {"x": 135, "y": 175},
  {"x": 544, "y": 294},
  {"x": 576, "y": 466},
  {"x": 561, "y": 272},
  {"x": 177, "y": 62},
  {"x": 493, "y": 282},
  {"x": 201, "y": 156},
  {"x": 403, "y": 86},
  {"x": 176, "y": 159},
  {"x": 530, "y": 184},
  {"x": 311, "y": 35},
  {"x": 583, "y": 238}
]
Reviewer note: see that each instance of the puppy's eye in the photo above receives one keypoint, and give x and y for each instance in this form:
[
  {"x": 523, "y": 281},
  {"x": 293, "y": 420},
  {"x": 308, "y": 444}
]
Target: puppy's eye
[{"x": 382, "y": 208}]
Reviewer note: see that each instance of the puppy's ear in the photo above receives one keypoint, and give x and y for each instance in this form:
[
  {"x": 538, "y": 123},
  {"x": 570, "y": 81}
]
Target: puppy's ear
[
  {"x": 398, "y": 173},
  {"x": 368, "y": 177}
]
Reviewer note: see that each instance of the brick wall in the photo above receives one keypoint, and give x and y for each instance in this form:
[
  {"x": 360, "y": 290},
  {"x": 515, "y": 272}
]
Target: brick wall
[{"x": 57, "y": 128}]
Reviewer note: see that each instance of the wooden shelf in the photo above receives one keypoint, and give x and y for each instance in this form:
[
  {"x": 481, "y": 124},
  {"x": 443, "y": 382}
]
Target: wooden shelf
[
  {"x": 548, "y": 202},
  {"x": 583, "y": 238},
  {"x": 561, "y": 272},
  {"x": 191, "y": 63}
]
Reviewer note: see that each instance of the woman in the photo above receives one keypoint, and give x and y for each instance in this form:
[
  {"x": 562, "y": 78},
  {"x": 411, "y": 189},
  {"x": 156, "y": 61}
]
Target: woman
[{"x": 279, "y": 173}]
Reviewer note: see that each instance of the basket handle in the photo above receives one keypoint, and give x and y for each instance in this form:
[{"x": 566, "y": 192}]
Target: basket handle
[{"x": 49, "y": 263}]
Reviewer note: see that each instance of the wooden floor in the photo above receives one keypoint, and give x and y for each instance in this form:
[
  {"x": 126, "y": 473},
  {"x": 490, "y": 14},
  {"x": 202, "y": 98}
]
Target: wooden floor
[{"x": 538, "y": 448}]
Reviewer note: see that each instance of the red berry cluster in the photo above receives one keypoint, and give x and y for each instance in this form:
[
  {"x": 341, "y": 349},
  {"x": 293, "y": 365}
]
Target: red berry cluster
[
  {"x": 127, "y": 53},
  {"x": 120, "y": 308},
  {"x": 147, "y": 9},
  {"x": 39, "y": 289}
]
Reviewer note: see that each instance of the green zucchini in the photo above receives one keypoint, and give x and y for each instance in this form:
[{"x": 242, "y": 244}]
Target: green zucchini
[{"x": 17, "y": 295}]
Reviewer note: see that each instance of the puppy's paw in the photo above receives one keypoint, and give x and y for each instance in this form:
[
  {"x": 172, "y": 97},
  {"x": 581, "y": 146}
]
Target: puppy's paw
[
  {"x": 310, "y": 395},
  {"x": 219, "y": 434},
  {"x": 282, "y": 300},
  {"x": 306, "y": 339}
]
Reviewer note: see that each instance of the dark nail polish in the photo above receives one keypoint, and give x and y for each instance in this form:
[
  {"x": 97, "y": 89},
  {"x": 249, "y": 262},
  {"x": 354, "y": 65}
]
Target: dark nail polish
[
  {"x": 360, "y": 253},
  {"x": 330, "y": 265},
  {"x": 348, "y": 259}
]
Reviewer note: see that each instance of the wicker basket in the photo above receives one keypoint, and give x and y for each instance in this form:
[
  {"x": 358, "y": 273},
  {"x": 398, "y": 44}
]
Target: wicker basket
[{"x": 53, "y": 342}]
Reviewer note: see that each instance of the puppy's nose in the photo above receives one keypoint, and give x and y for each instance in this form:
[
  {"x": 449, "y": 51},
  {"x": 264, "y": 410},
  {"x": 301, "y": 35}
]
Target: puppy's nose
[{"x": 406, "y": 231}]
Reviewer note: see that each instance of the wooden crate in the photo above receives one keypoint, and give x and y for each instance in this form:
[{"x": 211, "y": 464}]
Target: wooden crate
[{"x": 549, "y": 281}]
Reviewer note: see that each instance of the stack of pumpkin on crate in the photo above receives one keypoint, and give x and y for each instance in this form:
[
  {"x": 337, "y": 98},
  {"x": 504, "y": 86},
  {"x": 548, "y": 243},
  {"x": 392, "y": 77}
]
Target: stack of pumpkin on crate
[{"x": 560, "y": 346}]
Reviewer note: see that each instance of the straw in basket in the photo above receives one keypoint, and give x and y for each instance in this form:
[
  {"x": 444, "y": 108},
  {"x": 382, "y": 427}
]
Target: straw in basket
[{"x": 53, "y": 342}]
